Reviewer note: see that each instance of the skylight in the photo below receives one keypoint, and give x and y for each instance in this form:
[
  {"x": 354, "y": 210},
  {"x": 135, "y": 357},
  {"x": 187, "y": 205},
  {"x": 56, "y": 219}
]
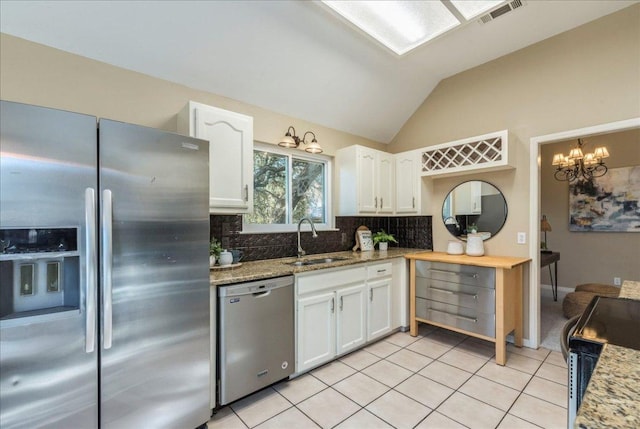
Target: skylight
[{"x": 403, "y": 25}]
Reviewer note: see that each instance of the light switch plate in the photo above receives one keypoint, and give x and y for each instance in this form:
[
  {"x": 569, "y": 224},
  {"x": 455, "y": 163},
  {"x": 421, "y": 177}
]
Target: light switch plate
[{"x": 522, "y": 238}]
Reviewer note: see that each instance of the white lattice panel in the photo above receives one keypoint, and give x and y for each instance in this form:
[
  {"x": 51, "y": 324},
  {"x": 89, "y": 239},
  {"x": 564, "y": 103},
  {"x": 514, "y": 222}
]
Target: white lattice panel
[{"x": 477, "y": 153}]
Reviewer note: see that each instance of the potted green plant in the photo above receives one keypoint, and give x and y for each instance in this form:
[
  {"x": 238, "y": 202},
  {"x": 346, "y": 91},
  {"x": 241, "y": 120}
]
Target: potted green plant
[
  {"x": 473, "y": 228},
  {"x": 214, "y": 250},
  {"x": 383, "y": 238}
]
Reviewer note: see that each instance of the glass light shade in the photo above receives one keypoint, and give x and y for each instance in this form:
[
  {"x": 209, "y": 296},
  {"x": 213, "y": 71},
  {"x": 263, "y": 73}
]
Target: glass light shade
[
  {"x": 313, "y": 147},
  {"x": 558, "y": 159},
  {"x": 545, "y": 226},
  {"x": 288, "y": 141},
  {"x": 576, "y": 153},
  {"x": 589, "y": 159},
  {"x": 601, "y": 152}
]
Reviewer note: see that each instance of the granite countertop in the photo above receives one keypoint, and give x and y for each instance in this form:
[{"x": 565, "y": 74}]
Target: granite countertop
[
  {"x": 612, "y": 398},
  {"x": 269, "y": 268}
]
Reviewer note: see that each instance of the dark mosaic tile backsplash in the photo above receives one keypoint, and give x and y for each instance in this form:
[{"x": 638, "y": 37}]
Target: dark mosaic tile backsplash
[{"x": 410, "y": 231}]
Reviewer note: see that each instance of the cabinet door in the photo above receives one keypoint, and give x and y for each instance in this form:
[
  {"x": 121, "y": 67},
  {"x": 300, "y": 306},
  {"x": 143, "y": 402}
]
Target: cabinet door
[
  {"x": 316, "y": 334},
  {"x": 386, "y": 182},
  {"x": 351, "y": 317},
  {"x": 230, "y": 138},
  {"x": 366, "y": 177},
  {"x": 468, "y": 198},
  {"x": 407, "y": 182},
  {"x": 379, "y": 308}
]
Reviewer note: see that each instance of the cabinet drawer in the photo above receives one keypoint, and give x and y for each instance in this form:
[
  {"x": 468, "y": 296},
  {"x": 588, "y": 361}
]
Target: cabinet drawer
[
  {"x": 455, "y": 273},
  {"x": 481, "y": 299},
  {"x": 379, "y": 270},
  {"x": 457, "y": 317}
]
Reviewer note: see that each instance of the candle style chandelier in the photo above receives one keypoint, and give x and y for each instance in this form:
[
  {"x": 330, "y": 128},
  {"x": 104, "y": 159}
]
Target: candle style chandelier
[{"x": 578, "y": 165}]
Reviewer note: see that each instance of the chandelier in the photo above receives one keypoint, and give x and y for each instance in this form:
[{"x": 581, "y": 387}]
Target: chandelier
[{"x": 578, "y": 165}]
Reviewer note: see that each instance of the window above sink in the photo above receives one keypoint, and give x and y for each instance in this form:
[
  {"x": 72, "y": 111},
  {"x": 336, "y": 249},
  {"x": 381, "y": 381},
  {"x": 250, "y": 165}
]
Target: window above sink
[{"x": 288, "y": 186}]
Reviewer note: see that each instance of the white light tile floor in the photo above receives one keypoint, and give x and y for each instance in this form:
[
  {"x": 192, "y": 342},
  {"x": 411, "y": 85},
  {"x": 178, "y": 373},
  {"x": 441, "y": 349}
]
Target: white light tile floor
[{"x": 438, "y": 379}]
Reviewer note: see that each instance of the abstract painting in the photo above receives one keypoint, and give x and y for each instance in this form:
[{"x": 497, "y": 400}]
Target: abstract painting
[{"x": 609, "y": 203}]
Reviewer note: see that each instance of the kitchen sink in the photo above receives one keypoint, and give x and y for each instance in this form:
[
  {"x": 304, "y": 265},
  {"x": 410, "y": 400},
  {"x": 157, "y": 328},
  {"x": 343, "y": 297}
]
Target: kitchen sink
[{"x": 316, "y": 261}]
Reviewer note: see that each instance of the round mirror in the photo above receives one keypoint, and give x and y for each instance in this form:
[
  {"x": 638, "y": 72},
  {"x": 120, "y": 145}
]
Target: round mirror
[{"x": 474, "y": 206}]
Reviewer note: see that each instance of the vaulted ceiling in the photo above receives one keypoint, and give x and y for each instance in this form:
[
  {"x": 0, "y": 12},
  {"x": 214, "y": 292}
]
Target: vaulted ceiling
[{"x": 293, "y": 57}]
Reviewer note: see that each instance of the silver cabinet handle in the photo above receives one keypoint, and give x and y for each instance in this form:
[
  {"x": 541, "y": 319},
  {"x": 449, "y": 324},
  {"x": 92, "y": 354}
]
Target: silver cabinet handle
[
  {"x": 90, "y": 264},
  {"x": 246, "y": 193},
  {"x": 458, "y": 273},
  {"x": 381, "y": 203},
  {"x": 376, "y": 202},
  {"x": 341, "y": 303},
  {"x": 451, "y": 292},
  {"x": 413, "y": 202},
  {"x": 457, "y": 316},
  {"x": 371, "y": 295},
  {"x": 333, "y": 304},
  {"x": 107, "y": 262}
]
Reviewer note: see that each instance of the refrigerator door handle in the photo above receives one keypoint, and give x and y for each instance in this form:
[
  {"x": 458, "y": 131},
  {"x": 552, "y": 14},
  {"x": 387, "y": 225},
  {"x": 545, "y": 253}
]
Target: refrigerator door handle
[
  {"x": 107, "y": 259},
  {"x": 90, "y": 263}
]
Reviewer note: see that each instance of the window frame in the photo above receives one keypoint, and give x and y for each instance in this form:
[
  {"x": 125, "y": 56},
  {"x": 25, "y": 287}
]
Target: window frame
[{"x": 253, "y": 228}]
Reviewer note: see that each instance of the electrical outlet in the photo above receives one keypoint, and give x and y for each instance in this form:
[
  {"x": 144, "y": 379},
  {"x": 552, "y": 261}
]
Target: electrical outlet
[
  {"x": 617, "y": 281},
  {"x": 522, "y": 238}
]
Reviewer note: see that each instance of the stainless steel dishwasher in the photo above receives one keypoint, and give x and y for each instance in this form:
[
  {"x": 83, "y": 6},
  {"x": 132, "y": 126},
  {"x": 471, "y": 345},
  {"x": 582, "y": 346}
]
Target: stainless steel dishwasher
[{"x": 255, "y": 336}]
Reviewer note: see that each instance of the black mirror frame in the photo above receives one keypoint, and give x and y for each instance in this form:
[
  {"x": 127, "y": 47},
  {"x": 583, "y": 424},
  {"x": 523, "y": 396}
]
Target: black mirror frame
[{"x": 456, "y": 226}]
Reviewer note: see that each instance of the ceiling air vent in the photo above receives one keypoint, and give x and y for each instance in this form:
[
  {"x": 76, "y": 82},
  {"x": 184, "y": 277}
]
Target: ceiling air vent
[{"x": 500, "y": 11}]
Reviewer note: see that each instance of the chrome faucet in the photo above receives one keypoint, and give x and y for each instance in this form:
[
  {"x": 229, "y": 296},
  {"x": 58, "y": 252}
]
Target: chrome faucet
[{"x": 301, "y": 252}]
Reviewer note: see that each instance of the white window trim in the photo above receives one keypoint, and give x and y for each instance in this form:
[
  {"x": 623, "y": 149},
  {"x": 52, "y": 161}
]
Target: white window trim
[{"x": 328, "y": 225}]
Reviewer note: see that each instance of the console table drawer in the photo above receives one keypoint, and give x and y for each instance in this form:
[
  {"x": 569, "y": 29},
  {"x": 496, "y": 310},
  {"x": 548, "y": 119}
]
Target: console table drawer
[
  {"x": 467, "y": 319},
  {"x": 481, "y": 299},
  {"x": 456, "y": 273}
]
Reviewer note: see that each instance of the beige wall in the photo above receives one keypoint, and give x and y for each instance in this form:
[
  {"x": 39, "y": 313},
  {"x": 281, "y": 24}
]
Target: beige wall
[
  {"x": 588, "y": 257},
  {"x": 35, "y": 74},
  {"x": 586, "y": 76}
]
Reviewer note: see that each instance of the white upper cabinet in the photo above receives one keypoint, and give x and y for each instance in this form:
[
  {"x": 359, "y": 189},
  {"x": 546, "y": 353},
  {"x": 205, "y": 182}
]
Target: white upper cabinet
[
  {"x": 467, "y": 198},
  {"x": 366, "y": 181},
  {"x": 230, "y": 137},
  {"x": 407, "y": 182}
]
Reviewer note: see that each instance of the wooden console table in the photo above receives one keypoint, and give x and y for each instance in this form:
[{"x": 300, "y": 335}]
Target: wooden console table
[{"x": 508, "y": 296}]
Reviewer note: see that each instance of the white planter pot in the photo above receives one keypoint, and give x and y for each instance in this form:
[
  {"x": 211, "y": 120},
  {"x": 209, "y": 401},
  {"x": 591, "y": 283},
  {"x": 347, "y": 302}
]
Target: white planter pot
[{"x": 383, "y": 246}]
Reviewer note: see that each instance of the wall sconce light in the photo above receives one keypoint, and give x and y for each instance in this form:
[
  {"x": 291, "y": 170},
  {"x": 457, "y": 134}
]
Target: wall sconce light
[
  {"x": 291, "y": 140},
  {"x": 577, "y": 165}
]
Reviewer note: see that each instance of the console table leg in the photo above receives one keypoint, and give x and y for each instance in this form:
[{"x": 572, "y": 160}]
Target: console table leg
[{"x": 413, "y": 324}]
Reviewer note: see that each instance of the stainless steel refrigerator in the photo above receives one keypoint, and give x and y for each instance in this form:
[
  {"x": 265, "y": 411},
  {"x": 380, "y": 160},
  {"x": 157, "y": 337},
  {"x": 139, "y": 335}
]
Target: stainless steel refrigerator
[{"x": 104, "y": 273}]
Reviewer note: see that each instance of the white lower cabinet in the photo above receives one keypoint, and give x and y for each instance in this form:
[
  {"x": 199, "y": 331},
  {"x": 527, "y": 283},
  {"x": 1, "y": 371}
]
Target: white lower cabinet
[
  {"x": 351, "y": 318},
  {"x": 379, "y": 308},
  {"x": 331, "y": 315},
  {"x": 339, "y": 310},
  {"x": 316, "y": 335}
]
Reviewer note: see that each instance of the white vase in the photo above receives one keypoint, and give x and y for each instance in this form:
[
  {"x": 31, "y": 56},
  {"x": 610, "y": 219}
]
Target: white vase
[
  {"x": 475, "y": 246},
  {"x": 212, "y": 260},
  {"x": 455, "y": 247},
  {"x": 383, "y": 246}
]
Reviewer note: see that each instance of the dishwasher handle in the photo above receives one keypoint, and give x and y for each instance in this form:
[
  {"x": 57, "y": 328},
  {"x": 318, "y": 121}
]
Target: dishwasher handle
[{"x": 256, "y": 288}]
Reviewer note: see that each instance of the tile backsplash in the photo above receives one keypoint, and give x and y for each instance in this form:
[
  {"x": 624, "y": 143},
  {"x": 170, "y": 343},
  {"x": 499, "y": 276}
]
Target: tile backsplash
[{"x": 410, "y": 231}]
